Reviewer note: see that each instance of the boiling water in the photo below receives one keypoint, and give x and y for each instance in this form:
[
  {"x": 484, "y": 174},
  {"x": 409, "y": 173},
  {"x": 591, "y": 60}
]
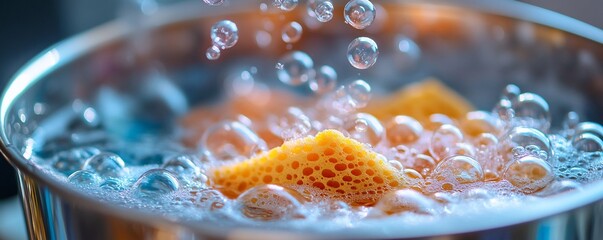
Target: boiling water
[{"x": 451, "y": 174}]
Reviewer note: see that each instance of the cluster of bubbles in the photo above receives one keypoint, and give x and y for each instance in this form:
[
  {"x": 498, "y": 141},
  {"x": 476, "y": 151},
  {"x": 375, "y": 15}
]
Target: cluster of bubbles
[{"x": 224, "y": 34}]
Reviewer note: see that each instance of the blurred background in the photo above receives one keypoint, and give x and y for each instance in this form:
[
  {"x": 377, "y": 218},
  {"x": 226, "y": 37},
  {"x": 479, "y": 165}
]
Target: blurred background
[{"x": 29, "y": 26}]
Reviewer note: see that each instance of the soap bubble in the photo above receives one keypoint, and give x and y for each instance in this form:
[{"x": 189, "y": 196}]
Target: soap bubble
[
  {"x": 529, "y": 174},
  {"x": 324, "y": 11},
  {"x": 292, "y": 32},
  {"x": 365, "y": 128},
  {"x": 359, "y": 93},
  {"x": 230, "y": 140},
  {"x": 362, "y": 53},
  {"x": 359, "y": 13},
  {"x": 293, "y": 124},
  {"x": 325, "y": 80},
  {"x": 214, "y": 2},
  {"x": 587, "y": 142},
  {"x": 113, "y": 184},
  {"x": 106, "y": 164},
  {"x": 285, "y": 5},
  {"x": 296, "y": 68},
  {"x": 156, "y": 182},
  {"x": 224, "y": 34},
  {"x": 522, "y": 137},
  {"x": 531, "y": 110},
  {"x": 443, "y": 140},
  {"x": 83, "y": 178},
  {"x": 212, "y": 53},
  {"x": 458, "y": 169},
  {"x": 407, "y": 200},
  {"x": 403, "y": 130},
  {"x": 270, "y": 203},
  {"x": 182, "y": 165},
  {"x": 210, "y": 199},
  {"x": 70, "y": 161},
  {"x": 511, "y": 92}
]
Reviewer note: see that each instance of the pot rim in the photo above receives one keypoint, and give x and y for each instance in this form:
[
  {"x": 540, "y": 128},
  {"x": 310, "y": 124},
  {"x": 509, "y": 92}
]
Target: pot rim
[{"x": 74, "y": 47}]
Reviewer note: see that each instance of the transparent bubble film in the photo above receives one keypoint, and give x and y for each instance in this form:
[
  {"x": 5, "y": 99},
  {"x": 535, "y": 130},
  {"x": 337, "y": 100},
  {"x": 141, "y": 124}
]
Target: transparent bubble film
[{"x": 312, "y": 150}]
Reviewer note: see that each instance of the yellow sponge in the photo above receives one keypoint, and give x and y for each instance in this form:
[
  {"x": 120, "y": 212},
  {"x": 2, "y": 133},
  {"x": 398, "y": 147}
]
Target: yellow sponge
[
  {"x": 329, "y": 165},
  {"x": 420, "y": 101}
]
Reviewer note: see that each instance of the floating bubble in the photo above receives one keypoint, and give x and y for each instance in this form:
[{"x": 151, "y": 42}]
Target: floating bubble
[
  {"x": 285, "y": 5},
  {"x": 224, "y": 34},
  {"x": 409, "y": 52},
  {"x": 106, "y": 164},
  {"x": 295, "y": 69},
  {"x": 325, "y": 80},
  {"x": 291, "y": 32},
  {"x": 359, "y": 13},
  {"x": 443, "y": 140},
  {"x": 214, "y": 2},
  {"x": 70, "y": 161},
  {"x": 403, "y": 130},
  {"x": 270, "y": 203},
  {"x": 587, "y": 142},
  {"x": 522, "y": 137},
  {"x": 293, "y": 124},
  {"x": 263, "y": 39},
  {"x": 407, "y": 200},
  {"x": 359, "y": 93},
  {"x": 365, "y": 128},
  {"x": 156, "y": 182},
  {"x": 83, "y": 178},
  {"x": 571, "y": 121},
  {"x": 531, "y": 110},
  {"x": 113, "y": 184},
  {"x": 212, "y": 53},
  {"x": 478, "y": 122},
  {"x": 362, "y": 53},
  {"x": 324, "y": 11},
  {"x": 209, "y": 199},
  {"x": 458, "y": 169},
  {"x": 230, "y": 140},
  {"x": 529, "y": 174}
]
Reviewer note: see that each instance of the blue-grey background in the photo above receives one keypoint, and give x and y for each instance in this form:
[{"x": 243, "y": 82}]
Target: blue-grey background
[{"x": 29, "y": 26}]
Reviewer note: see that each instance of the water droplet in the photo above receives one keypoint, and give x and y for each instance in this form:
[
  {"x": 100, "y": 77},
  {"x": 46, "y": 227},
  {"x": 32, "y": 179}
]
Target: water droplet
[
  {"x": 270, "y": 202},
  {"x": 359, "y": 13},
  {"x": 522, "y": 137},
  {"x": 156, "y": 182},
  {"x": 403, "y": 130},
  {"x": 106, "y": 164},
  {"x": 458, "y": 169},
  {"x": 529, "y": 174},
  {"x": 230, "y": 140},
  {"x": 293, "y": 124},
  {"x": 224, "y": 34},
  {"x": 443, "y": 141},
  {"x": 587, "y": 142},
  {"x": 297, "y": 68},
  {"x": 285, "y": 5},
  {"x": 212, "y": 53},
  {"x": 407, "y": 200},
  {"x": 324, "y": 11},
  {"x": 365, "y": 128},
  {"x": 70, "y": 161},
  {"x": 214, "y": 2},
  {"x": 209, "y": 199},
  {"x": 531, "y": 110},
  {"x": 84, "y": 178},
  {"x": 291, "y": 32},
  {"x": 362, "y": 52},
  {"x": 325, "y": 80}
]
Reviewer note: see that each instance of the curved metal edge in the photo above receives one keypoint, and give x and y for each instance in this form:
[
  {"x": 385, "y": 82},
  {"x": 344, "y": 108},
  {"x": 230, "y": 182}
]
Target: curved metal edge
[{"x": 68, "y": 50}]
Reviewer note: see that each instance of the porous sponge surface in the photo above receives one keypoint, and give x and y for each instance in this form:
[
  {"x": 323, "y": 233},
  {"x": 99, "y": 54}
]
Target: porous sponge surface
[{"x": 335, "y": 166}]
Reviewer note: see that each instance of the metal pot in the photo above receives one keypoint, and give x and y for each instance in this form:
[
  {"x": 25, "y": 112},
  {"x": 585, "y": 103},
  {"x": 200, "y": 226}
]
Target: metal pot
[{"x": 476, "y": 47}]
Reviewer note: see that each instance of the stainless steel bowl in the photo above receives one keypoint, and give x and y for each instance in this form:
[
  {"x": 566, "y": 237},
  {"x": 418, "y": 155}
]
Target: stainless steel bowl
[{"x": 476, "y": 47}]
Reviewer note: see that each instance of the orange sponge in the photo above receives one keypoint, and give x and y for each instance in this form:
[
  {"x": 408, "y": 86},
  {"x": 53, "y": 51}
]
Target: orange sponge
[
  {"x": 329, "y": 165},
  {"x": 420, "y": 101}
]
